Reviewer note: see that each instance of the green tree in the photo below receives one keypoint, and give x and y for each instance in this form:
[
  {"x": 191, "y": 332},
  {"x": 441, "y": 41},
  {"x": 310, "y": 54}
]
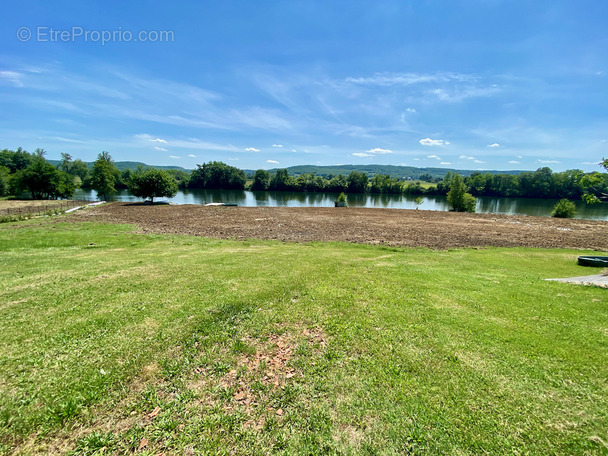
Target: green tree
[
  {"x": 217, "y": 175},
  {"x": 261, "y": 180},
  {"x": 595, "y": 185},
  {"x": 337, "y": 184},
  {"x": 80, "y": 169},
  {"x": 43, "y": 180},
  {"x": 15, "y": 160},
  {"x": 281, "y": 181},
  {"x": 4, "y": 188},
  {"x": 458, "y": 198},
  {"x": 152, "y": 183},
  {"x": 357, "y": 182},
  {"x": 564, "y": 209},
  {"x": 66, "y": 163},
  {"x": 103, "y": 175}
]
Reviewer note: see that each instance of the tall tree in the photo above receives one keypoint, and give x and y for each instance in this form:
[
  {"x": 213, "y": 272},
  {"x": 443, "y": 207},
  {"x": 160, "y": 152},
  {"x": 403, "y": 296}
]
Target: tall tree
[
  {"x": 66, "y": 163},
  {"x": 261, "y": 180},
  {"x": 458, "y": 198},
  {"x": 103, "y": 175}
]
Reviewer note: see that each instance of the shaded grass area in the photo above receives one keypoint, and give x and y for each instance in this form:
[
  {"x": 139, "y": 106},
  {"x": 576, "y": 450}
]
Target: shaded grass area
[{"x": 114, "y": 342}]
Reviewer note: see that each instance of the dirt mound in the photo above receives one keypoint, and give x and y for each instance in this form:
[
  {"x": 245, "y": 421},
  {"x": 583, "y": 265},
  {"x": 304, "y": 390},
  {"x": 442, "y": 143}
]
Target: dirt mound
[{"x": 395, "y": 227}]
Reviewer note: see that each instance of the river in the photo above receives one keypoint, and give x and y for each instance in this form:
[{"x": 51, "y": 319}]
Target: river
[{"x": 485, "y": 204}]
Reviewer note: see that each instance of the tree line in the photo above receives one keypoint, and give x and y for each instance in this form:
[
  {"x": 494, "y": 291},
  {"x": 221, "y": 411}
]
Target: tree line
[{"x": 21, "y": 171}]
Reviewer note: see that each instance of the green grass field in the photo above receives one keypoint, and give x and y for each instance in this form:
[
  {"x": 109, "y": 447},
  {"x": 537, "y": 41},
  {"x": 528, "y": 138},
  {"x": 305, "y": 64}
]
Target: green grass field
[{"x": 114, "y": 342}]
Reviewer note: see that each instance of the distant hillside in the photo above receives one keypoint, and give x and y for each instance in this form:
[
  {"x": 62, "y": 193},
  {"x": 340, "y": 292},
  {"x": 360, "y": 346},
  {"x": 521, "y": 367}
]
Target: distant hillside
[
  {"x": 401, "y": 172},
  {"x": 122, "y": 165}
]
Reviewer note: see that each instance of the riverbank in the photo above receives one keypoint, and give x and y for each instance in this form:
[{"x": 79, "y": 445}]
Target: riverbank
[{"x": 393, "y": 227}]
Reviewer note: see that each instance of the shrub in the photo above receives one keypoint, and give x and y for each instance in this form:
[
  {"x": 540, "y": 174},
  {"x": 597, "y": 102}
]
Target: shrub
[
  {"x": 564, "y": 209},
  {"x": 341, "y": 198}
]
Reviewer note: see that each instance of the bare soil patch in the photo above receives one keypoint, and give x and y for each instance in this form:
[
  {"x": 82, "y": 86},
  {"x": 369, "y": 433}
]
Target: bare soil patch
[
  {"x": 394, "y": 227},
  {"x": 17, "y": 207}
]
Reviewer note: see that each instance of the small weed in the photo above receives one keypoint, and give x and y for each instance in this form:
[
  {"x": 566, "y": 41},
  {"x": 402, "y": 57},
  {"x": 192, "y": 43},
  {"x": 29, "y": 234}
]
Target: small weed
[{"x": 95, "y": 443}]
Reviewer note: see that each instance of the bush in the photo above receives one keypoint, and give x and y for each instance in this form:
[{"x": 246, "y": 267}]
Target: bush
[
  {"x": 564, "y": 209},
  {"x": 341, "y": 198}
]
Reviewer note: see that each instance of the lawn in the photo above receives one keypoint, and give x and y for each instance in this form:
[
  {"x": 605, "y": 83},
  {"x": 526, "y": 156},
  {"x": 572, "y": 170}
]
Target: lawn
[{"x": 114, "y": 342}]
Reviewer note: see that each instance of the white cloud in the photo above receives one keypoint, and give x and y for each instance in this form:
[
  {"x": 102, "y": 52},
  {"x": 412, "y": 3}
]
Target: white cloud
[
  {"x": 589, "y": 163},
  {"x": 445, "y": 163},
  {"x": 494, "y": 145},
  {"x": 405, "y": 79},
  {"x": 192, "y": 155},
  {"x": 519, "y": 157},
  {"x": 160, "y": 148},
  {"x": 547, "y": 162},
  {"x": 464, "y": 157},
  {"x": 514, "y": 162},
  {"x": 433, "y": 156},
  {"x": 274, "y": 162},
  {"x": 410, "y": 110},
  {"x": 363, "y": 154},
  {"x": 233, "y": 159},
  {"x": 478, "y": 161},
  {"x": 416, "y": 159},
  {"x": 173, "y": 156},
  {"x": 293, "y": 150},
  {"x": 378, "y": 151},
  {"x": 252, "y": 149},
  {"x": 159, "y": 140},
  {"x": 277, "y": 145},
  {"x": 433, "y": 142},
  {"x": 604, "y": 140},
  {"x": 13, "y": 77}
]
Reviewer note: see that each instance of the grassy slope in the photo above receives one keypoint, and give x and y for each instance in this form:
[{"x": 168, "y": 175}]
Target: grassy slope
[{"x": 380, "y": 350}]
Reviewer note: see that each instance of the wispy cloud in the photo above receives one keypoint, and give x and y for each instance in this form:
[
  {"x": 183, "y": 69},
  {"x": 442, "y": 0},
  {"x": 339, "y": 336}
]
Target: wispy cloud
[
  {"x": 189, "y": 143},
  {"x": 363, "y": 154},
  {"x": 273, "y": 162},
  {"x": 191, "y": 155},
  {"x": 162, "y": 149},
  {"x": 514, "y": 162},
  {"x": 379, "y": 151},
  {"x": 547, "y": 162},
  {"x": 252, "y": 149},
  {"x": 465, "y": 157},
  {"x": 494, "y": 145},
  {"x": 433, "y": 142},
  {"x": 406, "y": 79},
  {"x": 12, "y": 77},
  {"x": 173, "y": 156},
  {"x": 433, "y": 157},
  {"x": 277, "y": 145},
  {"x": 445, "y": 163},
  {"x": 158, "y": 140}
]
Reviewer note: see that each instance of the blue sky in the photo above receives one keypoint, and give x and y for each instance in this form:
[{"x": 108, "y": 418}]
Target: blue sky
[{"x": 468, "y": 84}]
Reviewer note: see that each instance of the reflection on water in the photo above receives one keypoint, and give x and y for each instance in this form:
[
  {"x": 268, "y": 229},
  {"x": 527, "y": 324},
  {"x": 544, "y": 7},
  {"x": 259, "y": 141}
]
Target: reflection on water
[{"x": 522, "y": 206}]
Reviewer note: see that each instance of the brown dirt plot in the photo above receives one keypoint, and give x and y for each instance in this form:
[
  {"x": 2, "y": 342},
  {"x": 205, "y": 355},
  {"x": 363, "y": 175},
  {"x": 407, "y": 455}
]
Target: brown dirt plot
[{"x": 394, "y": 227}]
